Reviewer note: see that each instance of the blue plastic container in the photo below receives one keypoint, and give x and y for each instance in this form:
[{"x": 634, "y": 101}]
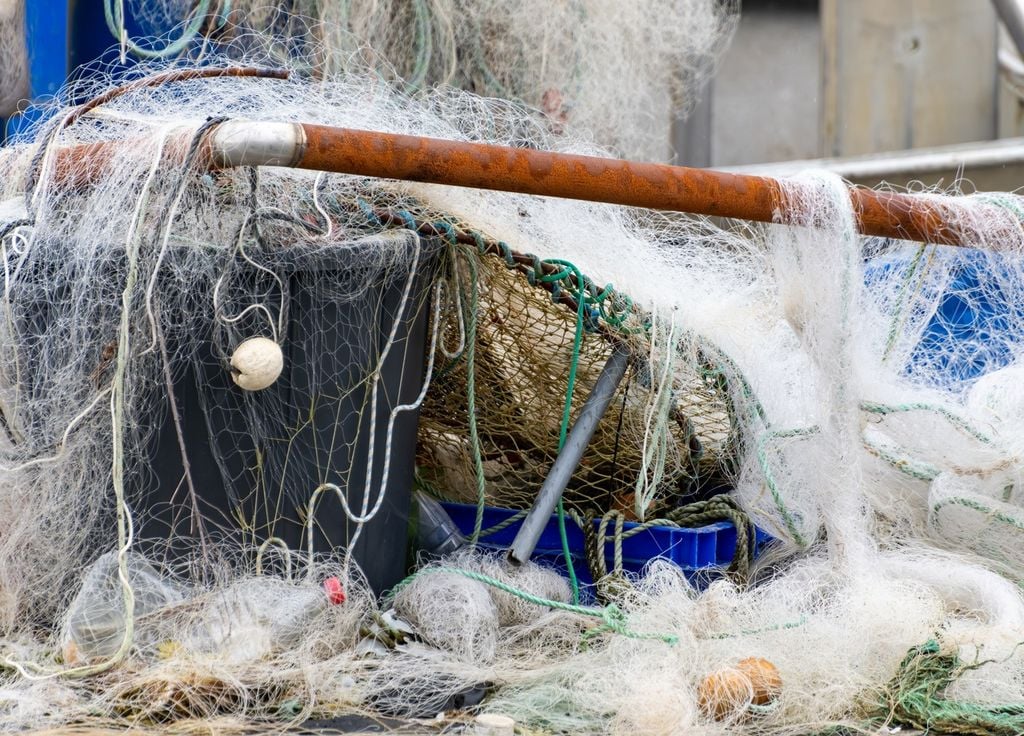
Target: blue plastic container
[
  {"x": 703, "y": 553},
  {"x": 977, "y": 305},
  {"x": 69, "y": 39}
]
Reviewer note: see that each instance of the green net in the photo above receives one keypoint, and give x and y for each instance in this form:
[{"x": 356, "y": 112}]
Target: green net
[
  {"x": 524, "y": 352},
  {"x": 916, "y": 697}
]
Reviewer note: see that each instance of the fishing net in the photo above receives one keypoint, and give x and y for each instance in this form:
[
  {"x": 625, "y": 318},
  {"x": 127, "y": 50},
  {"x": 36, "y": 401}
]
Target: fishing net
[
  {"x": 590, "y": 55},
  {"x": 13, "y": 56},
  {"x": 530, "y": 353},
  {"x": 265, "y": 333}
]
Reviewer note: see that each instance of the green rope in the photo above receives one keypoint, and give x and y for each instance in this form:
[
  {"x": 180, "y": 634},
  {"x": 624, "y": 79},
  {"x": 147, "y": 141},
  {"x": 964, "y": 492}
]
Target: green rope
[
  {"x": 954, "y": 419},
  {"x": 719, "y": 508},
  {"x": 613, "y": 620},
  {"x": 915, "y": 697},
  {"x": 763, "y": 443},
  {"x": 501, "y": 525},
  {"x": 113, "y": 12}
]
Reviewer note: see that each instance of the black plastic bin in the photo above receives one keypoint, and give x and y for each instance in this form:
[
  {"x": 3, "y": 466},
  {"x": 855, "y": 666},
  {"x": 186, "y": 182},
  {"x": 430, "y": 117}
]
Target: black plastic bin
[{"x": 256, "y": 457}]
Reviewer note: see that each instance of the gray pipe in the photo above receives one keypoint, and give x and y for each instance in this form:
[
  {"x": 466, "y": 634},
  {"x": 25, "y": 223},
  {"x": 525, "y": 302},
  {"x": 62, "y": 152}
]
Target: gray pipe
[
  {"x": 1011, "y": 13},
  {"x": 572, "y": 452}
]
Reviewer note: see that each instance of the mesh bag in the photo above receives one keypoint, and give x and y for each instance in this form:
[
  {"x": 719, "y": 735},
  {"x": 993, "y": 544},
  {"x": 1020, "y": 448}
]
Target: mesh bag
[{"x": 525, "y": 350}]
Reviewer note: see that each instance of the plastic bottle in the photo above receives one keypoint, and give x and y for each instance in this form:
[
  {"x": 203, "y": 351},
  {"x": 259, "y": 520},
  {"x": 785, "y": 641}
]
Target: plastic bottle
[
  {"x": 436, "y": 534},
  {"x": 96, "y": 619},
  {"x": 260, "y": 616},
  {"x": 241, "y": 622}
]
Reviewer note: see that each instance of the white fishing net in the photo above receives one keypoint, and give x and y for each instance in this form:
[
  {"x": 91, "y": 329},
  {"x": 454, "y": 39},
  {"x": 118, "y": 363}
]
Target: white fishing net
[
  {"x": 13, "y": 56},
  {"x": 878, "y": 444},
  {"x": 620, "y": 70}
]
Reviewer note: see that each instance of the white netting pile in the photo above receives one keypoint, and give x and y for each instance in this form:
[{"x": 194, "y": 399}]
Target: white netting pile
[
  {"x": 620, "y": 70},
  {"x": 889, "y": 473},
  {"x": 13, "y": 56}
]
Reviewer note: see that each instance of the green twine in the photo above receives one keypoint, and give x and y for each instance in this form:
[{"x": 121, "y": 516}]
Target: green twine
[
  {"x": 954, "y": 419},
  {"x": 756, "y": 412},
  {"x": 470, "y": 353},
  {"x": 113, "y": 12},
  {"x": 975, "y": 505},
  {"x": 914, "y": 468},
  {"x": 889, "y": 452},
  {"x": 915, "y": 697},
  {"x": 613, "y": 620},
  {"x": 577, "y": 344},
  {"x": 763, "y": 443},
  {"x": 785, "y": 626},
  {"x": 908, "y": 466},
  {"x": 592, "y": 305}
]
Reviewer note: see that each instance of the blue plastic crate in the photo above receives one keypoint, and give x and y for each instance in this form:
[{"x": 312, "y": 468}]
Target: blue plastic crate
[
  {"x": 974, "y": 306},
  {"x": 702, "y": 552}
]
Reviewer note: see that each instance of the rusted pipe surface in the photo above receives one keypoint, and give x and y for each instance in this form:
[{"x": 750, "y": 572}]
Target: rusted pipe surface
[
  {"x": 654, "y": 186},
  {"x": 529, "y": 171}
]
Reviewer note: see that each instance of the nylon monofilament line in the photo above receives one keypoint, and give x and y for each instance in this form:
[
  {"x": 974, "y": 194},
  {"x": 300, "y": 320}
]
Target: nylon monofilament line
[{"x": 796, "y": 379}]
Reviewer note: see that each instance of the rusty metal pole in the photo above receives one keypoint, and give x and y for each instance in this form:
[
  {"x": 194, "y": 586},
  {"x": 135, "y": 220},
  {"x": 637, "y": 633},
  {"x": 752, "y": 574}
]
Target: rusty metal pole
[
  {"x": 654, "y": 186},
  {"x": 528, "y": 171}
]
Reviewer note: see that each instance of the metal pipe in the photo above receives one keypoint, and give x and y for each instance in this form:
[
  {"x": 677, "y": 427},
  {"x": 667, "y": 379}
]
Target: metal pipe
[
  {"x": 569, "y": 457},
  {"x": 1011, "y": 13},
  {"x": 653, "y": 186},
  {"x": 1011, "y": 64},
  {"x": 529, "y": 171},
  {"x": 903, "y": 164},
  {"x": 243, "y": 143}
]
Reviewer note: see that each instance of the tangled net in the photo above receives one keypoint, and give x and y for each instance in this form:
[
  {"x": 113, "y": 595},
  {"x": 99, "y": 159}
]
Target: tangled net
[
  {"x": 175, "y": 548},
  {"x": 13, "y": 57},
  {"x": 590, "y": 56},
  {"x": 530, "y": 353}
]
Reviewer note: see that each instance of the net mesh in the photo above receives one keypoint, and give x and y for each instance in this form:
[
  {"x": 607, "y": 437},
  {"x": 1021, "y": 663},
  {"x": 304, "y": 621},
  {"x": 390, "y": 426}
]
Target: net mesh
[
  {"x": 525, "y": 354},
  {"x": 656, "y": 53},
  {"x": 768, "y": 356}
]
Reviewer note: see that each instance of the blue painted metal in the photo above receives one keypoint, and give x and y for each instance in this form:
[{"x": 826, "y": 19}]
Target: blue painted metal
[
  {"x": 46, "y": 35},
  {"x": 69, "y": 40}
]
